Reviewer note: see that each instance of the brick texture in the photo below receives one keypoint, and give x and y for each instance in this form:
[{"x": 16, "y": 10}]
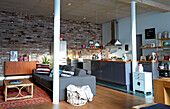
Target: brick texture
[{"x": 30, "y": 34}]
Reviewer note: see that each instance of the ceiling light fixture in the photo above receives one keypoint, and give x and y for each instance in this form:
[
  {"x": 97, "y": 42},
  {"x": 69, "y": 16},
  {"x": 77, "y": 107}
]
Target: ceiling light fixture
[
  {"x": 84, "y": 18},
  {"x": 117, "y": 41},
  {"x": 69, "y": 4}
]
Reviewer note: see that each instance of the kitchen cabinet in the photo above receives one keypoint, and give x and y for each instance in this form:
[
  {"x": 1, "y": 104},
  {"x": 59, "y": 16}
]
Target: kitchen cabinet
[
  {"x": 162, "y": 52},
  {"x": 106, "y": 73},
  {"x": 115, "y": 72},
  {"x": 96, "y": 69}
]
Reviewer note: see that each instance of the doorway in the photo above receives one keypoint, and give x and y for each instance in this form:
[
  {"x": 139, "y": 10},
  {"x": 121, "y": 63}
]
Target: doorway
[{"x": 138, "y": 45}]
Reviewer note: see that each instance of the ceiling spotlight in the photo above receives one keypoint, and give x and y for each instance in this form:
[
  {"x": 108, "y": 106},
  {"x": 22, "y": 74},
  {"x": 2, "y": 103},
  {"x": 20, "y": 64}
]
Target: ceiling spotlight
[
  {"x": 84, "y": 18},
  {"x": 69, "y": 4}
]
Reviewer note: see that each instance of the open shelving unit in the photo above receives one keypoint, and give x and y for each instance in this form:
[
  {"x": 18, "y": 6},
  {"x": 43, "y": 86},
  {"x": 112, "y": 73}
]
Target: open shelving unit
[{"x": 163, "y": 71}]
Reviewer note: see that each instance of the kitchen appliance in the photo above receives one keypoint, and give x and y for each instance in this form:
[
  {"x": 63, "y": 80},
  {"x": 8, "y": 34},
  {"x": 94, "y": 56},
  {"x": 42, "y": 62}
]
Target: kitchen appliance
[
  {"x": 143, "y": 58},
  {"x": 95, "y": 56},
  {"x": 165, "y": 34},
  {"x": 62, "y": 53},
  {"x": 154, "y": 58},
  {"x": 166, "y": 43},
  {"x": 166, "y": 57},
  {"x": 159, "y": 35}
]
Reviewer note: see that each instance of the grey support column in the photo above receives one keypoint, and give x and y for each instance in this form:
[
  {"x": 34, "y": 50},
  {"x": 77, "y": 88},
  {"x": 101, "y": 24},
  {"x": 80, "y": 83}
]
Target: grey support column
[{"x": 56, "y": 51}]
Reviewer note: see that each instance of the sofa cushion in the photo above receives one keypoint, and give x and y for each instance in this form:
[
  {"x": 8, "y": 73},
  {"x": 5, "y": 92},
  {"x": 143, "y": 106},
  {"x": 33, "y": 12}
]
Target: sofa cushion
[
  {"x": 42, "y": 68},
  {"x": 69, "y": 68},
  {"x": 66, "y": 73},
  {"x": 79, "y": 72}
]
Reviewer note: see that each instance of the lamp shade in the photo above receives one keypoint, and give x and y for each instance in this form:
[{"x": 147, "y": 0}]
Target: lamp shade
[{"x": 117, "y": 43}]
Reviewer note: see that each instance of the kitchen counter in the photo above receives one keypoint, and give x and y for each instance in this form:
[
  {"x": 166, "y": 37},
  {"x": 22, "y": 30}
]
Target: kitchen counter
[
  {"x": 117, "y": 72},
  {"x": 118, "y": 61}
]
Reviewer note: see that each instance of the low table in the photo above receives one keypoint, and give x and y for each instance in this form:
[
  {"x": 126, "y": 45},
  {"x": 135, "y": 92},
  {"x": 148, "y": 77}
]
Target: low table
[{"x": 25, "y": 83}]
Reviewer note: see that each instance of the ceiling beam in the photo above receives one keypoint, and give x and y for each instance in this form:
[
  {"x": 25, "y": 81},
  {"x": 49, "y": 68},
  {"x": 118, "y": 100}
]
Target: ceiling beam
[{"x": 150, "y": 4}]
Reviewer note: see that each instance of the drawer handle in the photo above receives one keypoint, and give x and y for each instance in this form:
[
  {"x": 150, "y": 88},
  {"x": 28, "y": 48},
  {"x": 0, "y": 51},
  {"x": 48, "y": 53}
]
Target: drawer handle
[{"x": 138, "y": 83}]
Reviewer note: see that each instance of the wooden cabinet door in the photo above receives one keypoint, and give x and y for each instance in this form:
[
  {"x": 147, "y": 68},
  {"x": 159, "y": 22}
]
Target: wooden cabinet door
[{"x": 19, "y": 68}]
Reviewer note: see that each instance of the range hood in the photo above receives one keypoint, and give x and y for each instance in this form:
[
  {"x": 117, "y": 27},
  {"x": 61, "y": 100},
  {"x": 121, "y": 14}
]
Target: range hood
[{"x": 114, "y": 34}]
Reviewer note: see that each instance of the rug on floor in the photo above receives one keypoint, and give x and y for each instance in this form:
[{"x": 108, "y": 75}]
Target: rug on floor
[{"x": 39, "y": 97}]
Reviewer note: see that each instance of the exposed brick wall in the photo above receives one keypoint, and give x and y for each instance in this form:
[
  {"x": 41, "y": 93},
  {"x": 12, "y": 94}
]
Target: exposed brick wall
[
  {"x": 33, "y": 35},
  {"x": 78, "y": 33}
]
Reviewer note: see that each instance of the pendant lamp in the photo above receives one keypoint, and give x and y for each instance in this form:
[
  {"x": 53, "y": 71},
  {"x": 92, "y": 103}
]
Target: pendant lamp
[{"x": 117, "y": 41}]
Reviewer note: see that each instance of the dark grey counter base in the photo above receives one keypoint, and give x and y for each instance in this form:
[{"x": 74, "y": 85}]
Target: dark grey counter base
[{"x": 116, "y": 73}]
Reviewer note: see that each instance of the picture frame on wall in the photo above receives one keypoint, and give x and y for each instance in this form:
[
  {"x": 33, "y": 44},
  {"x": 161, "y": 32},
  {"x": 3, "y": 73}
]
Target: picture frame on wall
[
  {"x": 13, "y": 55},
  {"x": 150, "y": 33}
]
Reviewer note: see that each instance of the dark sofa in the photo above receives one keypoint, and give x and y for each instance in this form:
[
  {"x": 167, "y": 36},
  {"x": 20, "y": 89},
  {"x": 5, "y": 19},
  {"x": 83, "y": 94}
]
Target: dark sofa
[{"x": 80, "y": 78}]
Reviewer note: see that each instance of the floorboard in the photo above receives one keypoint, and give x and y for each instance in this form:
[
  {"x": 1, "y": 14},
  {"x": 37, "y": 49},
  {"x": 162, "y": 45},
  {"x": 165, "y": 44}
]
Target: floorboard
[{"x": 105, "y": 99}]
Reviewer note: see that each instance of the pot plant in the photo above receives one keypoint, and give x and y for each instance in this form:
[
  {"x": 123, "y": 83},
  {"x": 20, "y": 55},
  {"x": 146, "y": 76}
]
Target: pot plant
[
  {"x": 25, "y": 57},
  {"x": 45, "y": 60}
]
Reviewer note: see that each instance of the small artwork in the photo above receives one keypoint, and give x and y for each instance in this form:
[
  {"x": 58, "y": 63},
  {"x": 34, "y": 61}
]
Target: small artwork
[
  {"x": 13, "y": 55},
  {"x": 150, "y": 33}
]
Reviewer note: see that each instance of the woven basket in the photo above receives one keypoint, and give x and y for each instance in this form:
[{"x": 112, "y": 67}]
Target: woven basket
[{"x": 74, "y": 99}]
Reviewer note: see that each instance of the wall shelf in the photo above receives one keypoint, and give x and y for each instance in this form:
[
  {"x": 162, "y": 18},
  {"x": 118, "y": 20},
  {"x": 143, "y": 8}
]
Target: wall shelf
[
  {"x": 163, "y": 51},
  {"x": 164, "y": 69},
  {"x": 147, "y": 47},
  {"x": 164, "y": 60},
  {"x": 84, "y": 48},
  {"x": 162, "y": 46},
  {"x": 164, "y": 39}
]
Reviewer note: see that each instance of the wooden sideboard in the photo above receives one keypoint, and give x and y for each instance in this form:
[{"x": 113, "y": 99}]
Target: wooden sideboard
[
  {"x": 162, "y": 91},
  {"x": 19, "y": 68}
]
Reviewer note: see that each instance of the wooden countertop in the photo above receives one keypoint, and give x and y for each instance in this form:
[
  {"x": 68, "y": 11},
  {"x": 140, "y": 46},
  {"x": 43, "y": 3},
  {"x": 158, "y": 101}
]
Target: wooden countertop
[
  {"x": 147, "y": 61},
  {"x": 118, "y": 61}
]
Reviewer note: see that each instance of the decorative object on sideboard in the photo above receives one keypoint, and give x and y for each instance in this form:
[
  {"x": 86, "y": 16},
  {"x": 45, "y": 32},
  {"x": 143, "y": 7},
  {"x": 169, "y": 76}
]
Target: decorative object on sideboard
[
  {"x": 91, "y": 43},
  {"x": 13, "y": 55},
  {"x": 159, "y": 35},
  {"x": 45, "y": 60},
  {"x": 165, "y": 34},
  {"x": 97, "y": 45},
  {"x": 154, "y": 58},
  {"x": 61, "y": 37},
  {"x": 83, "y": 46},
  {"x": 25, "y": 57},
  {"x": 166, "y": 43},
  {"x": 143, "y": 58},
  {"x": 20, "y": 58}
]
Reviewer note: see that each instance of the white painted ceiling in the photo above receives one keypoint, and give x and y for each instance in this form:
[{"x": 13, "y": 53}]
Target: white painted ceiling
[{"x": 108, "y": 10}]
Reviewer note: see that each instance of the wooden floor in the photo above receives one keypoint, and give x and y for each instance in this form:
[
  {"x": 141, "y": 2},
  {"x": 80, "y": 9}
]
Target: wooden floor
[{"x": 105, "y": 99}]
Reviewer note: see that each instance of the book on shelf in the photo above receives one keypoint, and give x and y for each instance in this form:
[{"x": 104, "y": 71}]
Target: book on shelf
[{"x": 15, "y": 82}]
